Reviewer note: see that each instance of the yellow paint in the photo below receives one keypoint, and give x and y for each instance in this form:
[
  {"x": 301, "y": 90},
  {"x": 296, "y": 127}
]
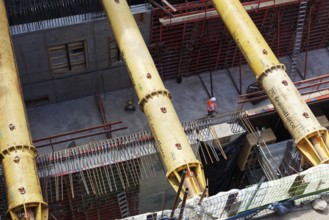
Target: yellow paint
[
  {"x": 311, "y": 138},
  {"x": 172, "y": 143},
  {"x": 15, "y": 140}
]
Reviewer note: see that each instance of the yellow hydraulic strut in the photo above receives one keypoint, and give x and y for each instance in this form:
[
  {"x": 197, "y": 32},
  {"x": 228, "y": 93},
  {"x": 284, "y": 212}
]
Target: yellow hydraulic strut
[
  {"x": 310, "y": 137},
  {"x": 17, "y": 153},
  {"x": 154, "y": 100}
]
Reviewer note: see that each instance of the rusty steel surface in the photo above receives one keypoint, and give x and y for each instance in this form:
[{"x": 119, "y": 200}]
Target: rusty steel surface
[{"x": 200, "y": 45}]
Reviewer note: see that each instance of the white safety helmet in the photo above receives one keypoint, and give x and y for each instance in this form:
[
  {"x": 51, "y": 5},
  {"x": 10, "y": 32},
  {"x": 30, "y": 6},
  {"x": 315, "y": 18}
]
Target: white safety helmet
[{"x": 213, "y": 99}]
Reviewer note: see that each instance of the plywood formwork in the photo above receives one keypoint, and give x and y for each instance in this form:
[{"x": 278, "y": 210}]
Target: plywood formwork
[{"x": 267, "y": 136}]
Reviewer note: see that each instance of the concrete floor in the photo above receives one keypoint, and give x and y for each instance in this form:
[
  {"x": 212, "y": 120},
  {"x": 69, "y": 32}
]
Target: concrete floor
[
  {"x": 190, "y": 102},
  {"x": 189, "y": 99}
]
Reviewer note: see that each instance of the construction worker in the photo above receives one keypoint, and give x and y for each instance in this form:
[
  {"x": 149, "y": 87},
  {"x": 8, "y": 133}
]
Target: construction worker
[{"x": 211, "y": 106}]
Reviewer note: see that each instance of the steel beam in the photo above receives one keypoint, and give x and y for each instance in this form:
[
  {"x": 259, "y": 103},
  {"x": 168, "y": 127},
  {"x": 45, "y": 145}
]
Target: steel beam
[{"x": 213, "y": 14}]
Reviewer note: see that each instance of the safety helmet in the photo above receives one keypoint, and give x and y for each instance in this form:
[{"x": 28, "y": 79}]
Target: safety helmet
[{"x": 213, "y": 99}]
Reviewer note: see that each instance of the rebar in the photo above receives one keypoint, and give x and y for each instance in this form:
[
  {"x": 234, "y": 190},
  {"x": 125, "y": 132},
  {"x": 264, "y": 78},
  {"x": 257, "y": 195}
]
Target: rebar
[
  {"x": 182, "y": 178},
  {"x": 181, "y": 212}
]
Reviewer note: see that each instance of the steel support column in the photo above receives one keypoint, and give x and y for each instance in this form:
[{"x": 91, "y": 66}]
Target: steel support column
[
  {"x": 154, "y": 100},
  {"x": 23, "y": 188},
  {"x": 311, "y": 138}
]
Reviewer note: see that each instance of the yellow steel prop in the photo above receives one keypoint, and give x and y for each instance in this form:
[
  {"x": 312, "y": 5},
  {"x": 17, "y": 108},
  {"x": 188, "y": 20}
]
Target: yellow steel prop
[
  {"x": 310, "y": 137},
  {"x": 154, "y": 100},
  {"x": 17, "y": 153}
]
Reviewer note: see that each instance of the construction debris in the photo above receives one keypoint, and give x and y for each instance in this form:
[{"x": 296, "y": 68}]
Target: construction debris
[
  {"x": 256, "y": 198},
  {"x": 319, "y": 205}
]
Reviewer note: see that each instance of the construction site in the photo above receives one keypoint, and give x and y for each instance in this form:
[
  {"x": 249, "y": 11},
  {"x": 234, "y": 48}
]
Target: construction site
[{"x": 164, "y": 109}]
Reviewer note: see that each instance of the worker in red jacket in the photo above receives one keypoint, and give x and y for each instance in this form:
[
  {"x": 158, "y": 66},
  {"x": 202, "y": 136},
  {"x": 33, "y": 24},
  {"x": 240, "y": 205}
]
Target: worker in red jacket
[{"x": 211, "y": 106}]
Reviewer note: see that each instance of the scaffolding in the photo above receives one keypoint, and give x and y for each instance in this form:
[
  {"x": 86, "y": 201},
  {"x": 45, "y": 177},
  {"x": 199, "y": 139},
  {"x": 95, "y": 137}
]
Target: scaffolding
[{"x": 195, "y": 40}]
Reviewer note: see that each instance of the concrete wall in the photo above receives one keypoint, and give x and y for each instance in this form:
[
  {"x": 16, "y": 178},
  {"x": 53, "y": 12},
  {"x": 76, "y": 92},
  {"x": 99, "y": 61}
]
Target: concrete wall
[{"x": 37, "y": 79}]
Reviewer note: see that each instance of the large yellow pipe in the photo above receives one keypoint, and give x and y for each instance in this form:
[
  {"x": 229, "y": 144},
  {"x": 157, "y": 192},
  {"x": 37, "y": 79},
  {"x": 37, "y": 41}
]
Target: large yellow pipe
[
  {"x": 310, "y": 137},
  {"x": 17, "y": 153},
  {"x": 154, "y": 100}
]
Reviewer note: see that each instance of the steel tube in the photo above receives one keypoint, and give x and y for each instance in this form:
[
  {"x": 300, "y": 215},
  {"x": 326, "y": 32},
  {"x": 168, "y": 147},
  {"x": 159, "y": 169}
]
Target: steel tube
[
  {"x": 154, "y": 99},
  {"x": 262, "y": 92},
  {"x": 310, "y": 137},
  {"x": 17, "y": 153},
  {"x": 297, "y": 83},
  {"x": 77, "y": 131},
  {"x": 265, "y": 96},
  {"x": 80, "y": 137}
]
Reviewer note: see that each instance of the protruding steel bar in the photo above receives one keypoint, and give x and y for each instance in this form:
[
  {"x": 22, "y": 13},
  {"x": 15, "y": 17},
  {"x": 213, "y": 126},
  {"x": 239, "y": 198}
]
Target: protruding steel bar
[
  {"x": 178, "y": 193},
  {"x": 169, "y": 5},
  {"x": 163, "y": 202},
  {"x": 162, "y": 8},
  {"x": 102, "y": 113},
  {"x": 298, "y": 83},
  {"x": 205, "y": 191},
  {"x": 255, "y": 192},
  {"x": 181, "y": 212}
]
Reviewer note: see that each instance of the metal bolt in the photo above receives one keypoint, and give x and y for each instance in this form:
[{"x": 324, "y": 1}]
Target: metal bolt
[
  {"x": 178, "y": 146},
  {"x": 12, "y": 127},
  {"x": 305, "y": 114},
  {"x": 148, "y": 75},
  {"x": 16, "y": 159},
  {"x": 284, "y": 82},
  {"x": 117, "y": 1},
  {"x": 21, "y": 190},
  {"x": 163, "y": 109},
  {"x": 264, "y": 51}
]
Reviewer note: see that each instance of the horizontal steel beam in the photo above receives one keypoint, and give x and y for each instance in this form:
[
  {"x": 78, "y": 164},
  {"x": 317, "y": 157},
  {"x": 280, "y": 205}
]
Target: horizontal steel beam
[{"x": 212, "y": 13}]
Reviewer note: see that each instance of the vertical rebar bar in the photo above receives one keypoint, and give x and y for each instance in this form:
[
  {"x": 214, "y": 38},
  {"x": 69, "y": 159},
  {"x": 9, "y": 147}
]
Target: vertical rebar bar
[
  {"x": 178, "y": 193},
  {"x": 181, "y": 212}
]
